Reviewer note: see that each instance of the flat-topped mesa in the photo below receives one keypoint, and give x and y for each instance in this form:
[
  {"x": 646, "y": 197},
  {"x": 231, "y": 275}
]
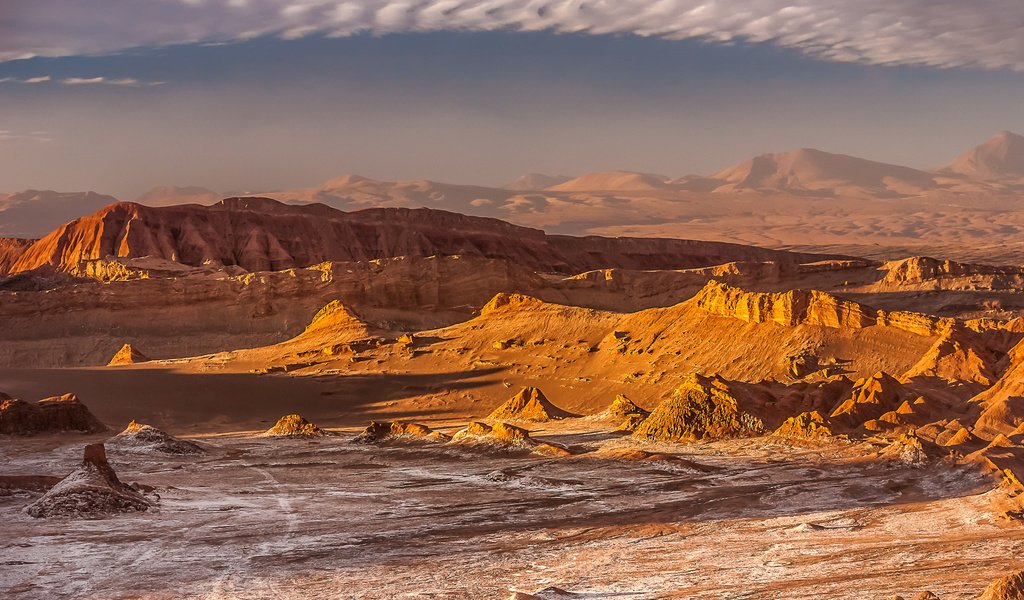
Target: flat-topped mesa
[
  {"x": 795, "y": 307},
  {"x": 810, "y": 307},
  {"x": 947, "y": 274},
  {"x": 93, "y": 490},
  {"x": 702, "y": 408},
  {"x": 261, "y": 234},
  {"x": 531, "y": 405}
]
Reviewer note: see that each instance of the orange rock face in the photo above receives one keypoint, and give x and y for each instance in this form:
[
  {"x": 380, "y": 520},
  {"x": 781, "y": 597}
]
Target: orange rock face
[
  {"x": 260, "y": 234},
  {"x": 59, "y": 413},
  {"x": 530, "y": 404}
]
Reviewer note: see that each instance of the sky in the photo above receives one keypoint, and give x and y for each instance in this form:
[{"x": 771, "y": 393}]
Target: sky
[{"x": 118, "y": 96}]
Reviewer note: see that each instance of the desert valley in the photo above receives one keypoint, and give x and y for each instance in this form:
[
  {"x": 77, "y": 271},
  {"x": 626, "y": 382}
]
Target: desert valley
[
  {"x": 385, "y": 391},
  {"x": 511, "y": 300}
]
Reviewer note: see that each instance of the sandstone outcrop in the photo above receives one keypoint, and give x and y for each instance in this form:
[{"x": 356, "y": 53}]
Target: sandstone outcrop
[
  {"x": 505, "y": 437},
  {"x": 701, "y": 408},
  {"x": 870, "y": 398},
  {"x": 294, "y": 426},
  {"x": 805, "y": 426},
  {"x": 378, "y": 432},
  {"x": 622, "y": 408},
  {"x": 529, "y": 405},
  {"x": 921, "y": 272},
  {"x": 791, "y": 308},
  {"x": 138, "y": 437},
  {"x": 127, "y": 355},
  {"x": 908, "y": 448},
  {"x": 59, "y": 413},
  {"x": 93, "y": 490},
  {"x": 1010, "y": 587},
  {"x": 962, "y": 354}
]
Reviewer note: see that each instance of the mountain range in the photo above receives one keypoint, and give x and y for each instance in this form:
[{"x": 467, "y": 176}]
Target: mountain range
[{"x": 594, "y": 200}]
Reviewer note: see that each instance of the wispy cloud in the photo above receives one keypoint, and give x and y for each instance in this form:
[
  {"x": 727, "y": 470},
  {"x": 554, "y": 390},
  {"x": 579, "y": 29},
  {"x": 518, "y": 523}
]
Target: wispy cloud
[
  {"x": 7, "y": 135},
  {"x": 123, "y": 81},
  {"x": 941, "y": 33}
]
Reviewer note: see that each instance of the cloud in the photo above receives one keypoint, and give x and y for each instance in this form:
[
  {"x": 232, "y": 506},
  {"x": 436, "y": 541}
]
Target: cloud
[
  {"x": 985, "y": 34},
  {"x": 6, "y": 135},
  {"x": 122, "y": 82}
]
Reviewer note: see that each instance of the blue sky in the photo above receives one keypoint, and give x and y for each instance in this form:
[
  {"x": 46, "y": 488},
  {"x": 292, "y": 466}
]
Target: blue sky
[{"x": 229, "y": 111}]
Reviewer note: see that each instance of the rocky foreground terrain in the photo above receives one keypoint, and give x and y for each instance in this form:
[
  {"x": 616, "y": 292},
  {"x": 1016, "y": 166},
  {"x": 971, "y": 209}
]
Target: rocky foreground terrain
[{"x": 402, "y": 403}]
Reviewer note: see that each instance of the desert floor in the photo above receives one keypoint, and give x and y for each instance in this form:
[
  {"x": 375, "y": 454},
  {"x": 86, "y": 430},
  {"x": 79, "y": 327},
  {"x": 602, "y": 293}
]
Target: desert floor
[{"x": 266, "y": 518}]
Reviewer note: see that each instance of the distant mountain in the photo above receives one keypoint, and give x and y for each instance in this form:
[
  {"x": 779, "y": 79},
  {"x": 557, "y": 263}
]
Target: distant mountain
[
  {"x": 815, "y": 171},
  {"x": 532, "y": 182},
  {"x": 998, "y": 159},
  {"x": 33, "y": 213},
  {"x": 612, "y": 181},
  {"x": 166, "y": 195}
]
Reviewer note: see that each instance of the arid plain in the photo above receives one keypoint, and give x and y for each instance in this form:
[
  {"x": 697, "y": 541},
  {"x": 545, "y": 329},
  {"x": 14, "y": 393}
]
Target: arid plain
[{"x": 778, "y": 387}]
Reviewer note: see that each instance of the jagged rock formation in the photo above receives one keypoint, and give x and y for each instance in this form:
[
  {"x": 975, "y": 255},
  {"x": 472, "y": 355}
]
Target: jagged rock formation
[
  {"x": 871, "y": 398},
  {"x": 810, "y": 307},
  {"x": 701, "y": 408},
  {"x": 294, "y": 426},
  {"x": 138, "y": 437},
  {"x": 789, "y": 308},
  {"x": 908, "y": 448},
  {"x": 260, "y": 234},
  {"x": 530, "y": 405},
  {"x": 805, "y": 426},
  {"x": 502, "y": 436},
  {"x": 93, "y": 490},
  {"x": 59, "y": 413},
  {"x": 621, "y": 408},
  {"x": 127, "y": 355},
  {"x": 961, "y": 354},
  {"x": 1010, "y": 587},
  {"x": 378, "y": 432}
]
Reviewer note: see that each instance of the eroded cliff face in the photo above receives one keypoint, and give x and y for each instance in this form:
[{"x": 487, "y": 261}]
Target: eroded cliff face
[
  {"x": 172, "y": 314},
  {"x": 811, "y": 307},
  {"x": 11, "y": 250},
  {"x": 261, "y": 234},
  {"x": 796, "y": 307},
  {"x": 921, "y": 272}
]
